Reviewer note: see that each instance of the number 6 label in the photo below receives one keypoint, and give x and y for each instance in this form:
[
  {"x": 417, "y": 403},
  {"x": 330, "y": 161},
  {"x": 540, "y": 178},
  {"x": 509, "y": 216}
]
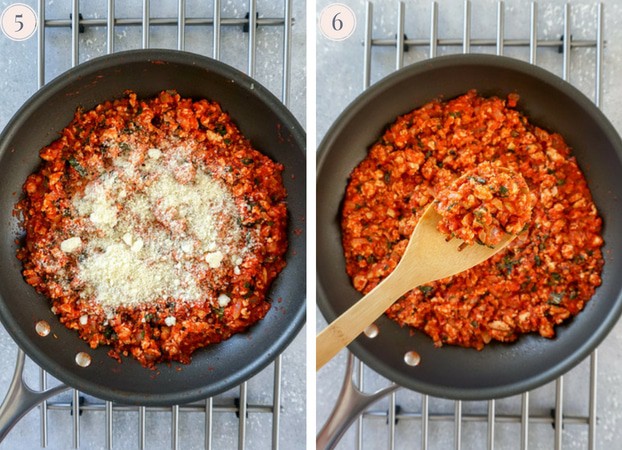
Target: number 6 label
[
  {"x": 18, "y": 22},
  {"x": 337, "y": 22}
]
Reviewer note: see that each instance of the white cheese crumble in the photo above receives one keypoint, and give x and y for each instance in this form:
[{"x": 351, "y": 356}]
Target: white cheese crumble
[
  {"x": 128, "y": 239},
  {"x": 214, "y": 259},
  {"x": 70, "y": 245},
  {"x": 137, "y": 245},
  {"x": 154, "y": 153},
  {"x": 170, "y": 321},
  {"x": 223, "y": 300}
]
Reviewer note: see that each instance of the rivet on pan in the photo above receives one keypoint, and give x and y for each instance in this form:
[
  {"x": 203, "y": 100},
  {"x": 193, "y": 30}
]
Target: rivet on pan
[
  {"x": 412, "y": 358},
  {"x": 83, "y": 359},
  {"x": 372, "y": 331},
  {"x": 42, "y": 328}
]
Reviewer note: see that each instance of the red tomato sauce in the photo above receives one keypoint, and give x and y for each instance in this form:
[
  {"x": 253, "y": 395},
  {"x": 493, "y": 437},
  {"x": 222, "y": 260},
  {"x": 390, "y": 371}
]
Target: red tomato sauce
[
  {"x": 132, "y": 143},
  {"x": 547, "y": 273}
]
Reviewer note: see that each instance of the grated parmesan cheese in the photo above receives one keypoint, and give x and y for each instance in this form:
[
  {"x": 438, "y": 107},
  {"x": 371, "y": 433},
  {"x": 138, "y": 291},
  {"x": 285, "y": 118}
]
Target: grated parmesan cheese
[
  {"x": 118, "y": 277},
  {"x": 153, "y": 227}
]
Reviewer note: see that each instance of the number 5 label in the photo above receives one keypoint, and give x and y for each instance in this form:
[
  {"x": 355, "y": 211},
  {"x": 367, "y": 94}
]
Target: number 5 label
[
  {"x": 337, "y": 22},
  {"x": 18, "y": 22}
]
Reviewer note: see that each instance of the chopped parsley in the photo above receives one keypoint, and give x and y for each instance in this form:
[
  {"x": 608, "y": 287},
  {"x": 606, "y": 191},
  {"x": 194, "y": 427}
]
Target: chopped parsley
[
  {"x": 555, "y": 298},
  {"x": 73, "y": 162},
  {"x": 507, "y": 264},
  {"x": 555, "y": 278},
  {"x": 220, "y": 311},
  {"x": 477, "y": 179},
  {"x": 426, "y": 290},
  {"x": 109, "y": 333}
]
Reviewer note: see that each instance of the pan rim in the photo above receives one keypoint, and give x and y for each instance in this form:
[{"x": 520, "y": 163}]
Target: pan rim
[
  {"x": 373, "y": 93},
  {"x": 289, "y": 329}
]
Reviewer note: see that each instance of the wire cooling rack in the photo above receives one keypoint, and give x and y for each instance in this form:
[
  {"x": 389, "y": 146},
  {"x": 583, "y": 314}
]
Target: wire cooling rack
[
  {"x": 250, "y": 415},
  {"x": 407, "y": 419}
]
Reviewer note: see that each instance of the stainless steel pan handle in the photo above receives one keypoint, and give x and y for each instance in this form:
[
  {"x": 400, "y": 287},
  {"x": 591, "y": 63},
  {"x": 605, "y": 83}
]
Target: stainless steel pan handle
[
  {"x": 350, "y": 404},
  {"x": 20, "y": 399}
]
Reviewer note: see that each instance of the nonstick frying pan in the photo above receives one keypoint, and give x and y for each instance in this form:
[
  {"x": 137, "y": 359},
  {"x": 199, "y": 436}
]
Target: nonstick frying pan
[
  {"x": 499, "y": 369},
  {"x": 261, "y": 117}
]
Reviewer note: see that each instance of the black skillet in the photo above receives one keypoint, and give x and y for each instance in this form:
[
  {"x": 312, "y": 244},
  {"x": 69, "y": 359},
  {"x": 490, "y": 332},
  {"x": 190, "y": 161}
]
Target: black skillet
[
  {"x": 500, "y": 369},
  {"x": 270, "y": 127}
]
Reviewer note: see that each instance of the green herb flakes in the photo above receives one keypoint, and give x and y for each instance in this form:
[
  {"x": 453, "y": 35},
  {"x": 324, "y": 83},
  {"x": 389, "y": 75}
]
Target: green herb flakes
[{"x": 73, "y": 162}]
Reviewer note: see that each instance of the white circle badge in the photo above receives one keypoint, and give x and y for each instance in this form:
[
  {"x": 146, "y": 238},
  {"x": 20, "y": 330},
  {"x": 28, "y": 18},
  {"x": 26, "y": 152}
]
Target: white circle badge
[
  {"x": 18, "y": 22},
  {"x": 337, "y": 22}
]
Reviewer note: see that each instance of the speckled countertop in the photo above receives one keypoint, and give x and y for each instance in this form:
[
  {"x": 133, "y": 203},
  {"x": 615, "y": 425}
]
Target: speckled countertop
[
  {"x": 18, "y": 80},
  {"x": 344, "y": 61}
]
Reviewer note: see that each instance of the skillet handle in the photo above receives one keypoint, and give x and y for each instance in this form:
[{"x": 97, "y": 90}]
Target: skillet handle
[
  {"x": 350, "y": 404},
  {"x": 20, "y": 399}
]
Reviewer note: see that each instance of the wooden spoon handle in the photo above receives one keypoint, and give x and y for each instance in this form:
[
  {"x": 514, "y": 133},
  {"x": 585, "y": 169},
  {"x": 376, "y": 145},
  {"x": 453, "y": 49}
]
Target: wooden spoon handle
[{"x": 359, "y": 316}]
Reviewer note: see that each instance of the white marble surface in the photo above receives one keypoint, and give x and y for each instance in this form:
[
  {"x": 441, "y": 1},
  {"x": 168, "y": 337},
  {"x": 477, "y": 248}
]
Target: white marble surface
[
  {"x": 344, "y": 62},
  {"x": 18, "y": 80}
]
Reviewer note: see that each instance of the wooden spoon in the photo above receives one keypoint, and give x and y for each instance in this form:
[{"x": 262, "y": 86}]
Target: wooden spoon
[{"x": 428, "y": 257}]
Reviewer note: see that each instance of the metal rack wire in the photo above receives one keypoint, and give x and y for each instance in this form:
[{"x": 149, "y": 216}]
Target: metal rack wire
[
  {"x": 78, "y": 404},
  {"x": 425, "y": 415}
]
